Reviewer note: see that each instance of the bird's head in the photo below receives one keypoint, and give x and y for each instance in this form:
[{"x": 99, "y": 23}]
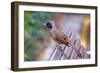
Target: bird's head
[{"x": 50, "y": 25}]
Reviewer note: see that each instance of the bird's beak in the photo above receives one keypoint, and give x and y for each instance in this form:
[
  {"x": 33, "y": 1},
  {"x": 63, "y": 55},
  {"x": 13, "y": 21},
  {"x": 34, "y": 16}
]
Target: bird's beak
[{"x": 44, "y": 27}]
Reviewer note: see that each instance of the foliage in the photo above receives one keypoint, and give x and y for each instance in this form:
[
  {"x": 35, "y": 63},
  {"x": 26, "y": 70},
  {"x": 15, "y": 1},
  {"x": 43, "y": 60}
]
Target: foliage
[{"x": 33, "y": 32}]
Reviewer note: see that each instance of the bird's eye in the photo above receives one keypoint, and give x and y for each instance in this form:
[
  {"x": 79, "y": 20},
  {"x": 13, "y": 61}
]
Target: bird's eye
[{"x": 49, "y": 25}]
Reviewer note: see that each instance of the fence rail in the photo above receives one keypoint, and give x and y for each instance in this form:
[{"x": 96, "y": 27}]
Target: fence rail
[{"x": 63, "y": 52}]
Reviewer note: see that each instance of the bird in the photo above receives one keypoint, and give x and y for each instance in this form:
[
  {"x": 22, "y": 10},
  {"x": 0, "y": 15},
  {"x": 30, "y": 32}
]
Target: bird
[{"x": 58, "y": 35}]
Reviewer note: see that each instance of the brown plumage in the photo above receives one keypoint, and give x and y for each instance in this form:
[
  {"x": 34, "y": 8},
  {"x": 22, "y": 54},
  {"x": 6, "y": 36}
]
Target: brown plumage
[{"x": 59, "y": 36}]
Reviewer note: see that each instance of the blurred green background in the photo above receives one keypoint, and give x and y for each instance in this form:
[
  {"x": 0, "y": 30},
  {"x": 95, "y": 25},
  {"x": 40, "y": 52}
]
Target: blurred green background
[{"x": 33, "y": 32}]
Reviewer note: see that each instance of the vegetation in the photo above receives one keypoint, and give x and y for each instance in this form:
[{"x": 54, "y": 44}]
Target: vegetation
[{"x": 33, "y": 32}]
